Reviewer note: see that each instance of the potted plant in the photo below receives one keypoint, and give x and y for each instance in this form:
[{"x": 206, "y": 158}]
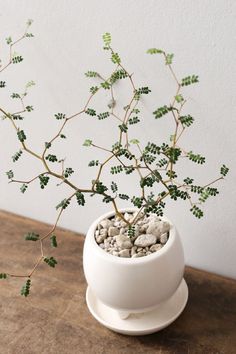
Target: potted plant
[{"x": 133, "y": 257}]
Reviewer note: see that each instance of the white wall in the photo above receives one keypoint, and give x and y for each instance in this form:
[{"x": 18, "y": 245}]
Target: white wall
[{"x": 68, "y": 42}]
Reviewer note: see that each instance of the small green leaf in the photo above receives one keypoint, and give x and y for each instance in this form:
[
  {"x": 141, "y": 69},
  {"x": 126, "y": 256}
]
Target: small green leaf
[
  {"x": 179, "y": 98},
  {"x": 134, "y": 141},
  {"x": 169, "y": 58},
  {"x": 129, "y": 170},
  {"x": 47, "y": 145},
  {"x": 29, "y": 108},
  {"x": 50, "y": 261},
  {"x": 80, "y": 198},
  {"x": 114, "y": 187},
  {"x": 118, "y": 75},
  {"x": 43, "y": 181},
  {"x": 17, "y": 155},
  {"x": 162, "y": 162},
  {"x": 63, "y": 204},
  {"x": 17, "y": 117},
  {"x": 116, "y": 169},
  {"x": 93, "y": 163},
  {"x": 9, "y": 40},
  {"x": 51, "y": 158},
  {"x": 59, "y": 116},
  {"x": 188, "y": 180},
  {"x": 131, "y": 231},
  {"x": 123, "y": 127},
  {"x": 103, "y": 115},
  {"x": 23, "y": 188},
  {"x": 186, "y": 120},
  {"x": 17, "y": 59},
  {"x": 29, "y": 22},
  {"x": 3, "y": 276},
  {"x": 29, "y": 84},
  {"x": 123, "y": 196},
  {"x": 68, "y": 172},
  {"x": 10, "y": 174},
  {"x": 93, "y": 89},
  {"x": 115, "y": 58},
  {"x": 90, "y": 112},
  {"x": 107, "y": 199},
  {"x": 224, "y": 170},
  {"x": 161, "y": 111},
  {"x": 29, "y": 35},
  {"x": 137, "y": 202},
  {"x": 196, "y": 189},
  {"x": 196, "y": 158},
  {"x": 15, "y": 95},
  {"x": 188, "y": 80},
  {"x": 21, "y": 135},
  {"x": 106, "y": 40},
  {"x": 100, "y": 187},
  {"x": 25, "y": 290},
  {"x": 171, "y": 174},
  {"x": 133, "y": 120},
  {"x": 154, "y": 51},
  {"x": 197, "y": 212},
  {"x": 31, "y": 236},
  {"x": 53, "y": 241},
  {"x": 91, "y": 74},
  {"x": 87, "y": 142},
  {"x": 106, "y": 85}
]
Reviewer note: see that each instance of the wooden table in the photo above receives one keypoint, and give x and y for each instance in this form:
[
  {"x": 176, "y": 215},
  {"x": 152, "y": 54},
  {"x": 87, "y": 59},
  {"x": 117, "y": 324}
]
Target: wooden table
[{"x": 54, "y": 318}]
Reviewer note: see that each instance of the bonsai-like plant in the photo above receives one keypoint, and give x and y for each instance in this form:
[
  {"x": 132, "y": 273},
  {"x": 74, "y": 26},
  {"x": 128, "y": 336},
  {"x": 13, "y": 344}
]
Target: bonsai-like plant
[{"x": 154, "y": 162}]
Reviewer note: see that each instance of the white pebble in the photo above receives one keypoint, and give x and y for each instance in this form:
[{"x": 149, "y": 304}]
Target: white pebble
[
  {"x": 100, "y": 238},
  {"x": 157, "y": 228},
  {"x": 145, "y": 240},
  {"x": 124, "y": 253},
  {"x": 106, "y": 223},
  {"x": 155, "y": 247},
  {"x": 137, "y": 255},
  {"x": 122, "y": 230},
  {"x": 115, "y": 253},
  {"x": 123, "y": 241},
  {"x": 103, "y": 232},
  {"x": 163, "y": 238},
  {"x": 113, "y": 231}
]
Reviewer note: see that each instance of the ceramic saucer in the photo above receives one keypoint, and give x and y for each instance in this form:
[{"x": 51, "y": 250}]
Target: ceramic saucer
[{"x": 142, "y": 323}]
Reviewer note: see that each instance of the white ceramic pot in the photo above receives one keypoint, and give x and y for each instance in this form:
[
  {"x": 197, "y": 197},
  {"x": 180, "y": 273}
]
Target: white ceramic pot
[{"x": 133, "y": 285}]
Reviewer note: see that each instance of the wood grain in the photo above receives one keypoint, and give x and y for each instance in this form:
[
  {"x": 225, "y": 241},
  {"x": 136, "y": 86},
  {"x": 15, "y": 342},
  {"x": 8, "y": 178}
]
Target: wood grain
[{"x": 55, "y": 319}]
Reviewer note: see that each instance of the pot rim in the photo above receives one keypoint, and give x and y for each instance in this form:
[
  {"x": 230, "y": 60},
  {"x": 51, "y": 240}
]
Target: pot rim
[{"x": 123, "y": 260}]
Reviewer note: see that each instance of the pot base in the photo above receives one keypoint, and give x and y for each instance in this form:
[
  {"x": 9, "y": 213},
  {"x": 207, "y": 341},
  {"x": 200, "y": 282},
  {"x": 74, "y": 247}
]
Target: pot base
[{"x": 140, "y": 323}]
